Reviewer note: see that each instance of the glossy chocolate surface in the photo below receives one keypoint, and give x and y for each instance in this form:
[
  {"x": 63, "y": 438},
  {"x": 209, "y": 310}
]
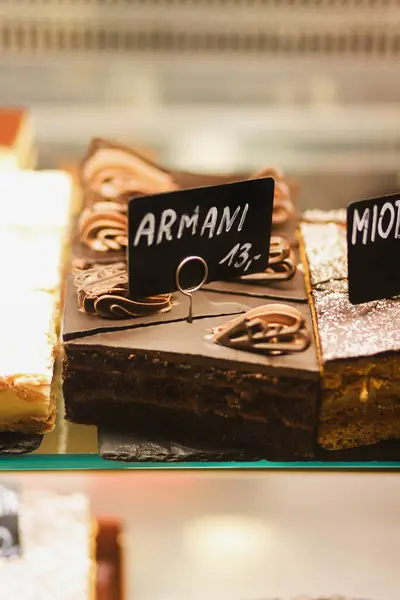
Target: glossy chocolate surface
[
  {"x": 177, "y": 341},
  {"x": 78, "y": 324}
]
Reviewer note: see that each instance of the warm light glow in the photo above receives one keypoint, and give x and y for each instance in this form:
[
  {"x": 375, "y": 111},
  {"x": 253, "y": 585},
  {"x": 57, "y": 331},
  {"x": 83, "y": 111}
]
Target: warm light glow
[
  {"x": 234, "y": 539},
  {"x": 34, "y": 199}
]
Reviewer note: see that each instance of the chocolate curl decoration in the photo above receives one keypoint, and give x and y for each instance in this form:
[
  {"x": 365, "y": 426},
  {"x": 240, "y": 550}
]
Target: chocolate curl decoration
[
  {"x": 112, "y": 175},
  {"x": 113, "y": 171},
  {"x": 281, "y": 266},
  {"x": 104, "y": 226},
  {"x": 283, "y": 206},
  {"x": 270, "y": 329},
  {"x": 103, "y": 291}
]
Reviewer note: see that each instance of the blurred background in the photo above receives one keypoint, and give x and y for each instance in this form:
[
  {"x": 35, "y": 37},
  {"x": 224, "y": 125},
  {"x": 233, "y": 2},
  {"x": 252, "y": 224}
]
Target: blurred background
[
  {"x": 246, "y": 536},
  {"x": 311, "y": 85}
]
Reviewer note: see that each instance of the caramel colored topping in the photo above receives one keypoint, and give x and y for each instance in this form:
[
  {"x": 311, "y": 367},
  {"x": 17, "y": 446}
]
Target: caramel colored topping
[
  {"x": 113, "y": 172},
  {"x": 283, "y": 205},
  {"x": 281, "y": 266},
  {"x": 103, "y": 291},
  {"x": 269, "y": 329},
  {"x": 104, "y": 226}
]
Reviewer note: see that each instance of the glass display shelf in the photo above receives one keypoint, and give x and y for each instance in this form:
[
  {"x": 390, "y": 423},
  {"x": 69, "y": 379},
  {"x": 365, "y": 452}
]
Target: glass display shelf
[
  {"x": 75, "y": 447},
  {"x": 48, "y": 462}
]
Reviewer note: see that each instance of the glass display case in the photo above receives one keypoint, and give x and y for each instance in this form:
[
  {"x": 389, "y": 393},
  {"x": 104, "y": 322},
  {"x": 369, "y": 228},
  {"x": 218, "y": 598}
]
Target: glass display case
[{"x": 218, "y": 86}]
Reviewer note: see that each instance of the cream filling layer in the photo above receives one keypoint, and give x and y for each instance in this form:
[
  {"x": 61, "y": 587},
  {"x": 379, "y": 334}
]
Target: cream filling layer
[{"x": 15, "y": 408}]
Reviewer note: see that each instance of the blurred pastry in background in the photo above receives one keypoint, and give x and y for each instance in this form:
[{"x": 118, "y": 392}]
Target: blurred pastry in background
[
  {"x": 17, "y": 139},
  {"x": 56, "y": 557}
]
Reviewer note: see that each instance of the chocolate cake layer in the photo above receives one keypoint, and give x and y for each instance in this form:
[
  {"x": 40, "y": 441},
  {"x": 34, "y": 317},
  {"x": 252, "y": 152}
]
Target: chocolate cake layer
[
  {"x": 359, "y": 348},
  {"x": 171, "y": 380}
]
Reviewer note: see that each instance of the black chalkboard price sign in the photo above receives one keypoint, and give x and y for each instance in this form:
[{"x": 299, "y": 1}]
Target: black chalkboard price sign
[
  {"x": 373, "y": 246},
  {"x": 9, "y": 522},
  {"x": 228, "y": 226}
]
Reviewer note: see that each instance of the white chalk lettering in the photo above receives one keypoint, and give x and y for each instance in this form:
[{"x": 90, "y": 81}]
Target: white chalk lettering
[
  {"x": 210, "y": 222},
  {"x": 226, "y": 220},
  {"x": 386, "y": 207},
  {"x": 187, "y": 222},
  {"x": 171, "y": 225},
  {"x": 397, "y": 231},
  {"x": 374, "y": 221},
  {"x": 146, "y": 228},
  {"x": 360, "y": 224},
  {"x": 242, "y": 220},
  {"x": 168, "y": 218}
]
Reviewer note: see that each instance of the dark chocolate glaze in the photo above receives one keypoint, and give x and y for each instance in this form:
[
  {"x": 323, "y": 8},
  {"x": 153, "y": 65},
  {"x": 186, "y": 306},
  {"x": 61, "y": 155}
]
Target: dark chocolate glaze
[
  {"x": 177, "y": 341},
  {"x": 78, "y": 324}
]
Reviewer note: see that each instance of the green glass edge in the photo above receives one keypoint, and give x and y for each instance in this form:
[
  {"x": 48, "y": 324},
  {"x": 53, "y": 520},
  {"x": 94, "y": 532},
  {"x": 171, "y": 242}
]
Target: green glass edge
[{"x": 48, "y": 462}]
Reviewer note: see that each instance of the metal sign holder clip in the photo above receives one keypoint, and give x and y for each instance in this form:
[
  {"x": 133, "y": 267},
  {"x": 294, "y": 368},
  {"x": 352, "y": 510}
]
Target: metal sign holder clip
[{"x": 189, "y": 291}]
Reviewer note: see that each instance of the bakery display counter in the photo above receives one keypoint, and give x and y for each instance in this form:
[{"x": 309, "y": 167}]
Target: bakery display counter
[{"x": 270, "y": 367}]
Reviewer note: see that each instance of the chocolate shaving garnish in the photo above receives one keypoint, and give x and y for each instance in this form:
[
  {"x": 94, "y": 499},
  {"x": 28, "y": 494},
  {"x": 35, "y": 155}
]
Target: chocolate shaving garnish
[
  {"x": 113, "y": 171},
  {"x": 281, "y": 266},
  {"x": 104, "y": 226},
  {"x": 103, "y": 291},
  {"x": 269, "y": 329},
  {"x": 283, "y": 206}
]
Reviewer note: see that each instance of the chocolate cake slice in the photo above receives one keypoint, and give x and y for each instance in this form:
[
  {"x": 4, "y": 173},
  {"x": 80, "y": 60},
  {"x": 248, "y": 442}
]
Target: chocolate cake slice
[
  {"x": 233, "y": 377},
  {"x": 160, "y": 375},
  {"x": 359, "y": 346}
]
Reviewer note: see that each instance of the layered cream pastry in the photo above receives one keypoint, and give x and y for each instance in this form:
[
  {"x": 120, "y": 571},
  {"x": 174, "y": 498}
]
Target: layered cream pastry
[
  {"x": 17, "y": 139},
  {"x": 32, "y": 237},
  {"x": 57, "y": 559}
]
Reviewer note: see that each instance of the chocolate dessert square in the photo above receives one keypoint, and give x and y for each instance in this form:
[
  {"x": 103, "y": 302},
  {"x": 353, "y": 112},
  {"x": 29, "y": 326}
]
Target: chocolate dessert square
[
  {"x": 243, "y": 380},
  {"x": 170, "y": 379}
]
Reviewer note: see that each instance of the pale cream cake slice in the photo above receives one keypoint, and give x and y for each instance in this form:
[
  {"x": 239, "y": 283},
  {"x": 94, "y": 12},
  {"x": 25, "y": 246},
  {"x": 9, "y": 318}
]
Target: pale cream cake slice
[{"x": 35, "y": 216}]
